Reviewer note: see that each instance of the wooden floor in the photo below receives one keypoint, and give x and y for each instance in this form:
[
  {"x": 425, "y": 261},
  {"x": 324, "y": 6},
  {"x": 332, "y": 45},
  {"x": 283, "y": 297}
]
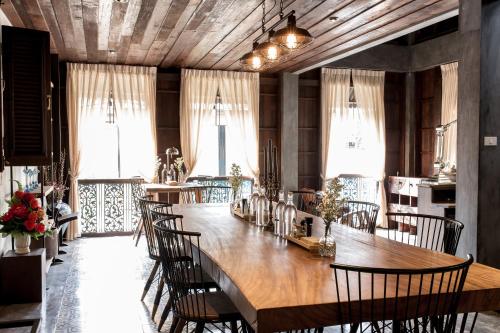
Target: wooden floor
[{"x": 98, "y": 289}]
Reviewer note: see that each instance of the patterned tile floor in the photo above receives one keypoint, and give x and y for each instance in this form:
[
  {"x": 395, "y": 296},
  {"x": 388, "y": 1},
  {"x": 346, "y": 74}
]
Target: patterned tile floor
[{"x": 99, "y": 286}]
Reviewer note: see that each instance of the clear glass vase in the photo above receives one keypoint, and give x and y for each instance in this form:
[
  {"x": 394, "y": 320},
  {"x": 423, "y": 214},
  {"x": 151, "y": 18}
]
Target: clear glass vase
[
  {"x": 327, "y": 243},
  {"x": 289, "y": 216},
  {"x": 253, "y": 203},
  {"x": 261, "y": 217},
  {"x": 278, "y": 214}
]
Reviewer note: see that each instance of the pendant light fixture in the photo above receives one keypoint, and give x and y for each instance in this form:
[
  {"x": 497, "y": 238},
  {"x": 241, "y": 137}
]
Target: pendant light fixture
[
  {"x": 278, "y": 44},
  {"x": 270, "y": 51},
  {"x": 111, "y": 112},
  {"x": 253, "y": 61},
  {"x": 291, "y": 36}
]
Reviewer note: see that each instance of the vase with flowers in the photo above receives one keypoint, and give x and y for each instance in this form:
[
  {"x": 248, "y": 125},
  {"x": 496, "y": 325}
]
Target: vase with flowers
[
  {"x": 179, "y": 167},
  {"x": 24, "y": 219},
  {"x": 330, "y": 209}
]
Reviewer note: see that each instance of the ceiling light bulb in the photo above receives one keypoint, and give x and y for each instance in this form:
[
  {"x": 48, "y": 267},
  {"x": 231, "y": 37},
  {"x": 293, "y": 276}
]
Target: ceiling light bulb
[
  {"x": 256, "y": 62},
  {"x": 291, "y": 41},
  {"x": 272, "y": 53}
]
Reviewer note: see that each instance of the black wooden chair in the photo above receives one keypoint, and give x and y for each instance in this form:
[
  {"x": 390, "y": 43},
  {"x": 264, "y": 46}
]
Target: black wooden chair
[
  {"x": 146, "y": 205},
  {"x": 189, "y": 304},
  {"x": 174, "y": 222},
  {"x": 399, "y": 300},
  {"x": 427, "y": 231},
  {"x": 138, "y": 191},
  {"x": 307, "y": 200},
  {"x": 360, "y": 215}
]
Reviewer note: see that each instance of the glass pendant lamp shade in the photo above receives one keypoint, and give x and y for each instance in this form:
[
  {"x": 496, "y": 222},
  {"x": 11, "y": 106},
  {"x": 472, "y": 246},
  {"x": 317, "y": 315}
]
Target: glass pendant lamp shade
[
  {"x": 270, "y": 51},
  {"x": 253, "y": 61},
  {"x": 291, "y": 36}
]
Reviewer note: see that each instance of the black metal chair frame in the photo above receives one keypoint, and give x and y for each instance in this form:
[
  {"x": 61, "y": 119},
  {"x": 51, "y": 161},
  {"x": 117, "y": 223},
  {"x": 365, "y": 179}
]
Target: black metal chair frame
[
  {"x": 430, "y": 312},
  {"x": 360, "y": 215},
  {"x": 146, "y": 205},
  {"x": 443, "y": 237},
  {"x": 180, "y": 259}
]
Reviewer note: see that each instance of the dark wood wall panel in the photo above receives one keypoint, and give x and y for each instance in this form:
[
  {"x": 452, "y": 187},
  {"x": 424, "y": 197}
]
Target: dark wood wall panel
[
  {"x": 168, "y": 87},
  {"x": 394, "y": 100},
  {"x": 309, "y": 129},
  {"x": 428, "y": 117},
  {"x": 269, "y": 113}
]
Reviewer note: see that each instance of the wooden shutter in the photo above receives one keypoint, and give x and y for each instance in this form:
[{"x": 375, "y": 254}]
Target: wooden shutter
[{"x": 27, "y": 94}]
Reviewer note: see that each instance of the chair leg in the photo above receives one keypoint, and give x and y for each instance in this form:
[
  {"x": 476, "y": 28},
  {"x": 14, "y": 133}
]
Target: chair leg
[
  {"x": 354, "y": 328},
  {"x": 165, "y": 313},
  {"x": 137, "y": 228},
  {"x": 150, "y": 279},
  {"x": 180, "y": 325},
  {"x": 175, "y": 320},
  {"x": 159, "y": 293},
  {"x": 200, "y": 326},
  {"x": 139, "y": 234},
  {"x": 234, "y": 326}
]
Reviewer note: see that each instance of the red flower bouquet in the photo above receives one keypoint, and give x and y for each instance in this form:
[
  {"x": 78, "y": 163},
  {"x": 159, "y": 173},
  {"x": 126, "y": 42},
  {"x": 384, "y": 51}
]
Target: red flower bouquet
[{"x": 24, "y": 217}]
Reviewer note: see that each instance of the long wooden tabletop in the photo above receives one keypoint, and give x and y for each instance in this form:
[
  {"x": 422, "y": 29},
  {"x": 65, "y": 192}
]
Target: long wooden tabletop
[{"x": 279, "y": 286}]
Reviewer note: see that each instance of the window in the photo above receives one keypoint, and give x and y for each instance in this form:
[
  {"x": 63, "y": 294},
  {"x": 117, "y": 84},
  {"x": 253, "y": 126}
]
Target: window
[
  {"x": 219, "y": 151},
  {"x": 110, "y": 146},
  {"x": 349, "y": 141}
]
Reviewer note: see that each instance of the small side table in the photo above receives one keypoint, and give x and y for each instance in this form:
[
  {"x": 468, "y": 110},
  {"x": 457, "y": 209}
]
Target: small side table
[{"x": 22, "y": 277}]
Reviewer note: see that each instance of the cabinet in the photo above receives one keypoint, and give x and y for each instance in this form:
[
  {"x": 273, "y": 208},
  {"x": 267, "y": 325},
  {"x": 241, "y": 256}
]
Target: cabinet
[{"x": 26, "y": 96}]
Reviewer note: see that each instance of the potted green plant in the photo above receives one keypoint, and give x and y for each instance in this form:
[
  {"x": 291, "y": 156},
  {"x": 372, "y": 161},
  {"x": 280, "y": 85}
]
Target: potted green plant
[
  {"x": 330, "y": 209},
  {"x": 235, "y": 180},
  {"x": 24, "y": 219}
]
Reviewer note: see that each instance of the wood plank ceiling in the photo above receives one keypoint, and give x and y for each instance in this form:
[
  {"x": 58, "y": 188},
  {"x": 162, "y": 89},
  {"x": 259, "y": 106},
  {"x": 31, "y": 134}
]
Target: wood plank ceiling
[{"x": 210, "y": 34}]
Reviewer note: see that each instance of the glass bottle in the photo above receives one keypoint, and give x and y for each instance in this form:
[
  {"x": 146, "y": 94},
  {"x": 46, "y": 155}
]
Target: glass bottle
[
  {"x": 164, "y": 172},
  {"x": 261, "y": 208},
  {"x": 171, "y": 173},
  {"x": 278, "y": 214},
  {"x": 253, "y": 201},
  {"x": 289, "y": 216}
]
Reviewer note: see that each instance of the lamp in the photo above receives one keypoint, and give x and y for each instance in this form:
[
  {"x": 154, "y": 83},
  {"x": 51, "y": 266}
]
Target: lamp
[
  {"x": 253, "y": 60},
  {"x": 270, "y": 51},
  {"x": 439, "y": 163},
  {"x": 291, "y": 36},
  {"x": 111, "y": 113},
  {"x": 170, "y": 152}
]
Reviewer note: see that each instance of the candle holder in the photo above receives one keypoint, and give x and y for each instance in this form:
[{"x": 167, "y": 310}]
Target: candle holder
[{"x": 270, "y": 179}]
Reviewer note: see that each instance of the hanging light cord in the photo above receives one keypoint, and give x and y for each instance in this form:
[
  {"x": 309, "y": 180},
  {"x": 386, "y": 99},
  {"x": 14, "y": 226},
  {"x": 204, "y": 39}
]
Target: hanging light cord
[
  {"x": 263, "y": 16},
  {"x": 281, "y": 9}
]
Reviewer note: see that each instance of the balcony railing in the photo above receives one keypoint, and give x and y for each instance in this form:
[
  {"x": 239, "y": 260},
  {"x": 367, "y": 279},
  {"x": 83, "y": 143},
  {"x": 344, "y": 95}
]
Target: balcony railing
[{"x": 107, "y": 206}]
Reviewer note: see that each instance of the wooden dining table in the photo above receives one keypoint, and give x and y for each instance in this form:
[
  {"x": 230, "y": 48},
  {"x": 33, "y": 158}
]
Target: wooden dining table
[{"x": 279, "y": 286}]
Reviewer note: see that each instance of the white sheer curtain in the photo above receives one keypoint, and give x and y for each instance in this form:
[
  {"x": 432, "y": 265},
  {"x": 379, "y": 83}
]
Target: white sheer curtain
[
  {"x": 134, "y": 93},
  {"x": 87, "y": 89},
  {"x": 369, "y": 91},
  {"x": 449, "y": 73},
  {"x": 334, "y": 111},
  {"x": 94, "y": 142},
  {"x": 198, "y": 92},
  {"x": 240, "y": 94}
]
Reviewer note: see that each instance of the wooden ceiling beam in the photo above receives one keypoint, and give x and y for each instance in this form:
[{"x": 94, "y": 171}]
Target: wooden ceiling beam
[
  {"x": 127, "y": 30},
  {"x": 76, "y": 16},
  {"x": 55, "y": 32},
  {"x": 178, "y": 10},
  {"x": 442, "y": 9},
  {"x": 11, "y": 13},
  {"x": 118, "y": 13},
  {"x": 348, "y": 19}
]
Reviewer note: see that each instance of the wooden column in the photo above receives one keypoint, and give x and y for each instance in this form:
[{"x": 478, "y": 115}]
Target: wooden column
[
  {"x": 409, "y": 136},
  {"x": 289, "y": 131},
  {"x": 468, "y": 125}
]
